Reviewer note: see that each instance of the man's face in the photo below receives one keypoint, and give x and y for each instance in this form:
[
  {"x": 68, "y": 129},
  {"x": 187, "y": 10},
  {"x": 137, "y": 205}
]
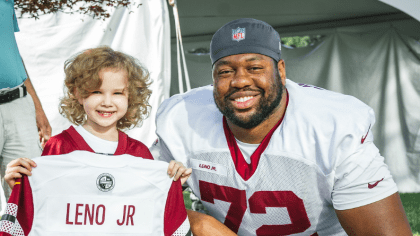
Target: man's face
[{"x": 247, "y": 88}]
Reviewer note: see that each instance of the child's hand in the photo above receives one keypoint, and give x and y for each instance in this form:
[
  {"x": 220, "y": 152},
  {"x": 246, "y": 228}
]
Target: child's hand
[
  {"x": 177, "y": 169},
  {"x": 16, "y": 168}
]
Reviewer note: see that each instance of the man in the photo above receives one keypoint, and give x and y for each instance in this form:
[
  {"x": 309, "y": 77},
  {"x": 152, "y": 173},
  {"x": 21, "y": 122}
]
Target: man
[
  {"x": 273, "y": 157},
  {"x": 20, "y": 115}
]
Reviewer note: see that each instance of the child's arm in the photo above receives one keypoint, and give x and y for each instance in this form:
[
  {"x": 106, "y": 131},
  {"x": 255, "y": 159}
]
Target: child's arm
[
  {"x": 16, "y": 168},
  {"x": 177, "y": 169}
]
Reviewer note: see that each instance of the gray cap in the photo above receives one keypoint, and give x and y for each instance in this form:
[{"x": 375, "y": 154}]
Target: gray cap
[{"x": 245, "y": 35}]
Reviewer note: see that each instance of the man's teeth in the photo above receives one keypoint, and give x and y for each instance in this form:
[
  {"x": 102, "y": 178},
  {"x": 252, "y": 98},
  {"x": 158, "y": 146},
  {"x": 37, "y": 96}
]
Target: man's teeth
[{"x": 243, "y": 99}]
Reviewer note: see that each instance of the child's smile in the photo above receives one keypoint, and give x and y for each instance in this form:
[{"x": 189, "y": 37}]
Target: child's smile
[{"x": 105, "y": 114}]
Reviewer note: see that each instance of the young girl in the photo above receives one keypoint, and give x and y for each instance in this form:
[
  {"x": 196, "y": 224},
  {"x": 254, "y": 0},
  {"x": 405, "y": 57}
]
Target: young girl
[{"x": 106, "y": 92}]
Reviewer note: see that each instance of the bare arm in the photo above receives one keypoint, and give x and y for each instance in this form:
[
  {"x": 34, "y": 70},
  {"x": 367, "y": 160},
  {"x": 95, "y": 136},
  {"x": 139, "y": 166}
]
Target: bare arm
[
  {"x": 205, "y": 225},
  {"x": 44, "y": 128},
  {"x": 384, "y": 217}
]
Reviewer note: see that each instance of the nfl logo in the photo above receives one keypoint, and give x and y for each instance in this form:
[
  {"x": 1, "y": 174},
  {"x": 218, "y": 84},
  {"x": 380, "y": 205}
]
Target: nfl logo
[{"x": 238, "y": 34}]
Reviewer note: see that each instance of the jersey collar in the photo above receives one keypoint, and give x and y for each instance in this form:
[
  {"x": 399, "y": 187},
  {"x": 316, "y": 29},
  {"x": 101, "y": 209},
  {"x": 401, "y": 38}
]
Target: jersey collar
[
  {"x": 81, "y": 144},
  {"x": 244, "y": 169}
]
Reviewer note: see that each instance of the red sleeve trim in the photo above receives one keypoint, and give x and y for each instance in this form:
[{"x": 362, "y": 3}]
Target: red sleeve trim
[
  {"x": 21, "y": 206},
  {"x": 25, "y": 215},
  {"x": 175, "y": 212}
]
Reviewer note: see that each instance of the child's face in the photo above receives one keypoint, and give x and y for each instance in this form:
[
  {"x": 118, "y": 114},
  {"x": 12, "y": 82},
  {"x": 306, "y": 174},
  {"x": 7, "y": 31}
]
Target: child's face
[{"x": 106, "y": 105}]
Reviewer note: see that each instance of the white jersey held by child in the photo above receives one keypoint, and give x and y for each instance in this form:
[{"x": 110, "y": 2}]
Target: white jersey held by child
[{"x": 83, "y": 193}]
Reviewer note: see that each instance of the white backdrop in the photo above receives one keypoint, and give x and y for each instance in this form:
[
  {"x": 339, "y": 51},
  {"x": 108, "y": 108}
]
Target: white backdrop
[
  {"x": 379, "y": 65},
  {"x": 141, "y": 31}
]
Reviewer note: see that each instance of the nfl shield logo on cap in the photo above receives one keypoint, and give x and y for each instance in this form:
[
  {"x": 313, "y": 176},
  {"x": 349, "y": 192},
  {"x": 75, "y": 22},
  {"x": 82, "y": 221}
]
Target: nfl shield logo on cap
[{"x": 238, "y": 34}]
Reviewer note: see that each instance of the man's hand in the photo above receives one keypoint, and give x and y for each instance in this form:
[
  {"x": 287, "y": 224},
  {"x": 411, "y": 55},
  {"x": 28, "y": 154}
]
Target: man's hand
[
  {"x": 177, "y": 169},
  {"x": 44, "y": 128},
  {"x": 16, "y": 168}
]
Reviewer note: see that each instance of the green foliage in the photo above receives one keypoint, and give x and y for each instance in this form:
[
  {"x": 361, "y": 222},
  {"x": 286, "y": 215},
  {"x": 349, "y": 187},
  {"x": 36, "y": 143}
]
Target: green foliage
[
  {"x": 300, "y": 41},
  {"x": 296, "y": 41},
  {"x": 95, "y": 8}
]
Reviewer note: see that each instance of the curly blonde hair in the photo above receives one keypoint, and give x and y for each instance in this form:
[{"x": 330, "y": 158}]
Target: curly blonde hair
[{"x": 82, "y": 74}]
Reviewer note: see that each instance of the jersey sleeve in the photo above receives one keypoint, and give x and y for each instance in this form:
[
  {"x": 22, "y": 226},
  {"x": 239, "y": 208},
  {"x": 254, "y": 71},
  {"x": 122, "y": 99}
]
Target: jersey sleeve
[
  {"x": 19, "y": 214},
  {"x": 363, "y": 178},
  {"x": 175, "y": 219}
]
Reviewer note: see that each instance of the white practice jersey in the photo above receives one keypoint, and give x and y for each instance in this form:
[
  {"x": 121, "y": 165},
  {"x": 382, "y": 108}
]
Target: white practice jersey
[
  {"x": 82, "y": 193},
  {"x": 319, "y": 158}
]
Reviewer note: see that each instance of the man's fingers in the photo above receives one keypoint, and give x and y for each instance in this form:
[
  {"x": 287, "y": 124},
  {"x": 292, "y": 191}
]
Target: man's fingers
[
  {"x": 46, "y": 132},
  {"x": 40, "y": 135},
  {"x": 44, "y": 127}
]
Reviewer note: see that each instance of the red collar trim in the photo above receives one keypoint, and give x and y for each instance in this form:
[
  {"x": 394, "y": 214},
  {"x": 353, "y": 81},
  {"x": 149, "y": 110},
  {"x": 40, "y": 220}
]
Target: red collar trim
[
  {"x": 81, "y": 144},
  {"x": 122, "y": 143},
  {"x": 244, "y": 169},
  {"x": 78, "y": 140}
]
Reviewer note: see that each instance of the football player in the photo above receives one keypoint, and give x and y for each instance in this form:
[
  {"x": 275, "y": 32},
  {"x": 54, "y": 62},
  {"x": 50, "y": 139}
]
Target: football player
[{"x": 274, "y": 157}]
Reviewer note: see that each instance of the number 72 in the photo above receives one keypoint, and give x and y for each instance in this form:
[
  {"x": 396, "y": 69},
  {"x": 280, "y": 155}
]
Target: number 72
[{"x": 257, "y": 205}]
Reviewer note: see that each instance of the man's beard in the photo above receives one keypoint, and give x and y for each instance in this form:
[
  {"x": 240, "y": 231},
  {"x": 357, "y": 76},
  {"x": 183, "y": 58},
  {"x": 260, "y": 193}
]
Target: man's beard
[{"x": 265, "y": 108}]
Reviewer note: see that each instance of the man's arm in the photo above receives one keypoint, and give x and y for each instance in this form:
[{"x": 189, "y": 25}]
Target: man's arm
[
  {"x": 44, "y": 128},
  {"x": 205, "y": 225},
  {"x": 384, "y": 217}
]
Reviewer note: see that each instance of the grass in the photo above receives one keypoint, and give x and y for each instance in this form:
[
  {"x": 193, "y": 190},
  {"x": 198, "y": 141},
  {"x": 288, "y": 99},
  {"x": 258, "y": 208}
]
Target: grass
[
  {"x": 410, "y": 201},
  {"x": 187, "y": 200}
]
